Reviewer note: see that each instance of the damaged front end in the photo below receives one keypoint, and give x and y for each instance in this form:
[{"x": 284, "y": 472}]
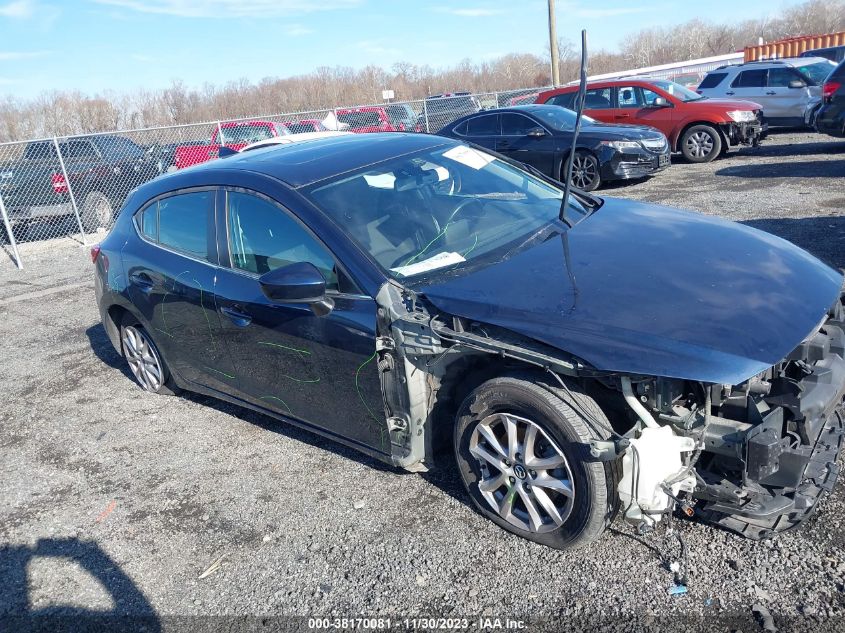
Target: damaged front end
[{"x": 766, "y": 448}]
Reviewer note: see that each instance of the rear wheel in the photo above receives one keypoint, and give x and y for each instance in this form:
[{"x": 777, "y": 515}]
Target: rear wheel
[
  {"x": 585, "y": 171},
  {"x": 523, "y": 453},
  {"x": 701, "y": 144},
  {"x": 96, "y": 212},
  {"x": 144, "y": 360}
]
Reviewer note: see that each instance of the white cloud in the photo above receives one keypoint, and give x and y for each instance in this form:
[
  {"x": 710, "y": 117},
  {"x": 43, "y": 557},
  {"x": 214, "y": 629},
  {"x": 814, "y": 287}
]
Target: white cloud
[
  {"x": 229, "y": 8},
  {"x": 18, "y": 9},
  {"x": 375, "y": 47},
  {"x": 11, "y": 56},
  {"x": 297, "y": 30},
  {"x": 469, "y": 13}
]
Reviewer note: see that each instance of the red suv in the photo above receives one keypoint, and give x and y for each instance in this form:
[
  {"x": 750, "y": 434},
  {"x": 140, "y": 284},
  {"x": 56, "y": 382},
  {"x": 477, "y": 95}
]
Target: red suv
[{"x": 698, "y": 127}]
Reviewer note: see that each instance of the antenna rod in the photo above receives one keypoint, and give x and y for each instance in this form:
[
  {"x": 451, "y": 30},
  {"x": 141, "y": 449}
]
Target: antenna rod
[{"x": 579, "y": 109}]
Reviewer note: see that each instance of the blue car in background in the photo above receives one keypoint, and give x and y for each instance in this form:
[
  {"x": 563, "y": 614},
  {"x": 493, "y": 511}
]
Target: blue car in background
[{"x": 431, "y": 303}]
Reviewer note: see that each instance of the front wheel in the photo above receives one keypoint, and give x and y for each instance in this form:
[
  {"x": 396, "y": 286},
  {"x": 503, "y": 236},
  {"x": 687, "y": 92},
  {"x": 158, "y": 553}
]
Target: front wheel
[
  {"x": 701, "y": 144},
  {"x": 522, "y": 449},
  {"x": 585, "y": 171}
]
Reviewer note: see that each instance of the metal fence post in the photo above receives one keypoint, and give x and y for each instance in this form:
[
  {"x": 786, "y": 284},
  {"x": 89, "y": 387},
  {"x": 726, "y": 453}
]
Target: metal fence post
[
  {"x": 69, "y": 189},
  {"x": 496, "y": 100},
  {"x": 11, "y": 235},
  {"x": 425, "y": 114},
  {"x": 220, "y": 139}
]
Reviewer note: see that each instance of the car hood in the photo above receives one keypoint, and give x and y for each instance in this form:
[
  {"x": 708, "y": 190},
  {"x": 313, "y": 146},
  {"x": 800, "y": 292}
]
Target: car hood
[
  {"x": 728, "y": 104},
  {"x": 616, "y": 131},
  {"x": 645, "y": 289}
]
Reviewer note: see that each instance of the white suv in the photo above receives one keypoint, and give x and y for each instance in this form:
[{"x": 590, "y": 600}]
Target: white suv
[{"x": 786, "y": 88}]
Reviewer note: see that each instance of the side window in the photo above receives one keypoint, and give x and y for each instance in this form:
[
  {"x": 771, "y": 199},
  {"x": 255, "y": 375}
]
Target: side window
[
  {"x": 564, "y": 100},
  {"x": 649, "y": 96},
  {"x": 460, "y": 129},
  {"x": 598, "y": 99},
  {"x": 516, "y": 124},
  {"x": 711, "y": 80},
  {"x": 149, "y": 222},
  {"x": 780, "y": 77},
  {"x": 77, "y": 149},
  {"x": 750, "y": 79},
  {"x": 183, "y": 222},
  {"x": 263, "y": 237},
  {"x": 486, "y": 125},
  {"x": 630, "y": 97}
]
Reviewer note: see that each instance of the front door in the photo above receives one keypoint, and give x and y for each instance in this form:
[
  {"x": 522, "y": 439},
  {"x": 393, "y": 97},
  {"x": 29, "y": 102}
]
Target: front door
[
  {"x": 782, "y": 101},
  {"x": 170, "y": 274},
  {"x": 635, "y": 106},
  {"x": 516, "y": 143},
  {"x": 321, "y": 370}
]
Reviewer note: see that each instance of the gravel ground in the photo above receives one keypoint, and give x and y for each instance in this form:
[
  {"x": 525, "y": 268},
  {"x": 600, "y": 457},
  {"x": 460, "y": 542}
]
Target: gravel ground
[{"x": 113, "y": 500}]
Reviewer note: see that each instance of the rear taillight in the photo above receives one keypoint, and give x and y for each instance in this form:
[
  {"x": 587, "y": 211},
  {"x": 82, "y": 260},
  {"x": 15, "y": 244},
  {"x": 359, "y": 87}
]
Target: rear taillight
[
  {"x": 829, "y": 88},
  {"x": 59, "y": 183},
  {"x": 95, "y": 253}
]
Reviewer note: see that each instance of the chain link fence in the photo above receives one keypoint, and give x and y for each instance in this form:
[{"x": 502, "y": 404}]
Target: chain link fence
[{"x": 73, "y": 187}]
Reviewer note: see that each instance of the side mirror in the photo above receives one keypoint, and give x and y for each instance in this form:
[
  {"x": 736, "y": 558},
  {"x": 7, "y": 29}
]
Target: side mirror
[
  {"x": 797, "y": 83},
  {"x": 660, "y": 102},
  {"x": 536, "y": 132},
  {"x": 301, "y": 282}
]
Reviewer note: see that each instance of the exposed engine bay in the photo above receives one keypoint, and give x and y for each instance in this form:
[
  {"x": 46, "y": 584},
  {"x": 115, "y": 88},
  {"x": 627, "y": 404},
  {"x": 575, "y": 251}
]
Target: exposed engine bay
[{"x": 753, "y": 457}]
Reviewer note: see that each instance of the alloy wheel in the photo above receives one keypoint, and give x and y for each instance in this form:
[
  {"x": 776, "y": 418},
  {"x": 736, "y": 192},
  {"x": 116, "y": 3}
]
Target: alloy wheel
[
  {"x": 525, "y": 477},
  {"x": 700, "y": 144},
  {"x": 584, "y": 171},
  {"x": 143, "y": 358}
]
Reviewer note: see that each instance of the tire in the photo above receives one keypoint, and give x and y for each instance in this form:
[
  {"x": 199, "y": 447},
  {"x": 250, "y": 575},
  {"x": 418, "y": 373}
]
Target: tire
[
  {"x": 585, "y": 171},
  {"x": 97, "y": 212},
  {"x": 701, "y": 144},
  {"x": 583, "y": 507},
  {"x": 144, "y": 359}
]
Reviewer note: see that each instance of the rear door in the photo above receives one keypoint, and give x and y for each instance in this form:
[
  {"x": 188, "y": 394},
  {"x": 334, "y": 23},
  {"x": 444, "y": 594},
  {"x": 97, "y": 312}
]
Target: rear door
[
  {"x": 171, "y": 273},
  {"x": 320, "y": 370},
  {"x": 515, "y": 142},
  {"x": 483, "y": 130}
]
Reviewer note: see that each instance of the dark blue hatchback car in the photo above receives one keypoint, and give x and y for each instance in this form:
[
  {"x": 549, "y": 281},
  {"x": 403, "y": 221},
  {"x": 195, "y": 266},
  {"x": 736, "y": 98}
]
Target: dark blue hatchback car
[{"x": 415, "y": 297}]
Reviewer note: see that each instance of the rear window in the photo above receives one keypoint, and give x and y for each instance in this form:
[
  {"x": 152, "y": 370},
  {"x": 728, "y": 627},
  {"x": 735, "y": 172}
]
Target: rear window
[
  {"x": 244, "y": 134},
  {"x": 564, "y": 100},
  {"x": 39, "y": 151},
  {"x": 712, "y": 80},
  {"x": 183, "y": 222},
  {"x": 359, "y": 119},
  {"x": 750, "y": 79}
]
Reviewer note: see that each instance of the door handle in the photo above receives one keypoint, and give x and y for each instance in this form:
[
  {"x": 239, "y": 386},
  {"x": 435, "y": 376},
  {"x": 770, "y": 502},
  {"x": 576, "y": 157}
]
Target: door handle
[
  {"x": 504, "y": 143},
  {"x": 730, "y": 93},
  {"x": 623, "y": 116},
  {"x": 141, "y": 281},
  {"x": 771, "y": 92},
  {"x": 241, "y": 319}
]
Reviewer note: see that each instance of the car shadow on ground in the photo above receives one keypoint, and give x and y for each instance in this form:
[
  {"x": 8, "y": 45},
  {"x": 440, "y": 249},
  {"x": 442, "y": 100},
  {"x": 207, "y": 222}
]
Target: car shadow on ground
[
  {"x": 807, "y": 169},
  {"x": 131, "y": 611},
  {"x": 823, "y": 236},
  {"x": 104, "y": 350}
]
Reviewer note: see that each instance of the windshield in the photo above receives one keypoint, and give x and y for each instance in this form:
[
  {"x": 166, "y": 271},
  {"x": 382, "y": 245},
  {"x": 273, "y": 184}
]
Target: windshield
[
  {"x": 559, "y": 118},
  {"x": 677, "y": 90},
  {"x": 441, "y": 208},
  {"x": 818, "y": 72}
]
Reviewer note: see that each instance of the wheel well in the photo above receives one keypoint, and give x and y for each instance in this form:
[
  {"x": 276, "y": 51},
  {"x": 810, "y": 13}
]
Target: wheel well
[
  {"x": 116, "y": 315},
  {"x": 710, "y": 124}
]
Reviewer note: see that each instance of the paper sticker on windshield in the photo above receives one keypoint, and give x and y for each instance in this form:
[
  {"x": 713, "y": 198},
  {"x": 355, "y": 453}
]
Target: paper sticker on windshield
[
  {"x": 468, "y": 156},
  {"x": 380, "y": 181},
  {"x": 438, "y": 261}
]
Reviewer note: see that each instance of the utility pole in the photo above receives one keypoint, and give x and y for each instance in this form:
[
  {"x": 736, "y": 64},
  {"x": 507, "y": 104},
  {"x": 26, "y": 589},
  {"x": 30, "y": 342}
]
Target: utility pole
[{"x": 553, "y": 45}]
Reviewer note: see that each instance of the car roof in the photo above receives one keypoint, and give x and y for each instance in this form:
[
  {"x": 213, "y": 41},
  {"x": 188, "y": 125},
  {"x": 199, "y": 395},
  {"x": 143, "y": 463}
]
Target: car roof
[
  {"x": 293, "y": 138},
  {"x": 783, "y": 61},
  {"x": 300, "y": 164}
]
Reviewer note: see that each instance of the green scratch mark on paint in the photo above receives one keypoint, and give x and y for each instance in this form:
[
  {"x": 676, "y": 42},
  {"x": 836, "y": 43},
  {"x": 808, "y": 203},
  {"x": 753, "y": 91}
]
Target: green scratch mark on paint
[
  {"x": 164, "y": 299},
  {"x": 217, "y": 371},
  {"x": 292, "y": 349},
  {"x": 205, "y": 314},
  {"x": 300, "y": 380},
  {"x": 467, "y": 252},
  {"x": 285, "y": 404},
  {"x": 163, "y": 332},
  {"x": 379, "y": 424}
]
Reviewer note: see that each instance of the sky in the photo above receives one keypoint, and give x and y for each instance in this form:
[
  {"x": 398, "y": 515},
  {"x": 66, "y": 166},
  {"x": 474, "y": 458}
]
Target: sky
[{"x": 121, "y": 45}]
